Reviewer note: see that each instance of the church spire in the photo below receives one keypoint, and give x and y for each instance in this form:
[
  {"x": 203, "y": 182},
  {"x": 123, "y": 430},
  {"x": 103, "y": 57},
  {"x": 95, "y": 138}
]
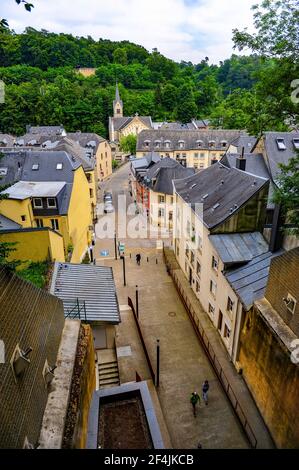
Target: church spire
[{"x": 117, "y": 103}]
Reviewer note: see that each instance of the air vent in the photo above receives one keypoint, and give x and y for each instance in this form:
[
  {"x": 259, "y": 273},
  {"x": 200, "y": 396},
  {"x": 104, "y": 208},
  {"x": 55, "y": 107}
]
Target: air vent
[
  {"x": 216, "y": 206},
  {"x": 35, "y": 166},
  {"x": 205, "y": 196},
  {"x": 193, "y": 185},
  {"x": 296, "y": 143}
]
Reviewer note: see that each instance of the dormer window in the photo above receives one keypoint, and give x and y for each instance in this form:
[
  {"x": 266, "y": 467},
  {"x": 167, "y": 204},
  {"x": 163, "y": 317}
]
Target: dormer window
[
  {"x": 212, "y": 143},
  {"x": 296, "y": 143},
  {"x": 35, "y": 167},
  {"x": 181, "y": 144},
  {"x": 281, "y": 144},
  {"x": 59, "y": 166},
  {"x": 157, "y": 143},
  {"x": 37, "y": 203},
  {"x": 223, "y": 143},
  {"x": 167, "y": 144},
  {"x": 51, "y": 201},
  {"x": 146, "y": 143}
]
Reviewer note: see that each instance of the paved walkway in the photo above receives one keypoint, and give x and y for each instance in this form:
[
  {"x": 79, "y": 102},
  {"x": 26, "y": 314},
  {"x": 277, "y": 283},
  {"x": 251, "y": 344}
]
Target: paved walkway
[
  {"x": 184, "y": 365},
  {"x": 237, "y": 383}
]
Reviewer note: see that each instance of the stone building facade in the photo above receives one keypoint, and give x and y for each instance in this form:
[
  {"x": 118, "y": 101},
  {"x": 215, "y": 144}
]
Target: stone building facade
[{"x": 269, "y": 352}]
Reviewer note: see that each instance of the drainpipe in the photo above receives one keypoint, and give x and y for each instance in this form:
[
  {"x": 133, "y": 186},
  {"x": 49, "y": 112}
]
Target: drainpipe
[{"x": 236, "y": 332}]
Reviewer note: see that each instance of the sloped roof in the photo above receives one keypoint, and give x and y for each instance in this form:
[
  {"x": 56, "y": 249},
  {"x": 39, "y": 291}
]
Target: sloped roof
[
  {"x": 164, "y": 172},
  {"x": 85, "y": 138},
  {"x": 19, "y": 164},
  {"x": 48, "y": 130},
  {"x": 250, "y": 281},
  {"x": 244, "y": 141},
  {"x": 6, "y": 140},
  {"x": 92, "y": 284},
  {"x": 255, "y": 163},
  {"x": 221, "y": 190},
  {"x": 190, "y": 138},
  {"x": 8, "y": 224},
  {"x": 274, "y": 156},
  {"x": 121, "y": 122},
  {"x": 239, "y": 247}
]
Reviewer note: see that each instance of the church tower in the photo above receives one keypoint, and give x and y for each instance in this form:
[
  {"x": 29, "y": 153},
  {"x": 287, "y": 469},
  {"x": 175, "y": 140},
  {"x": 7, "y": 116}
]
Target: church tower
[{"x": 117, "y": 104}]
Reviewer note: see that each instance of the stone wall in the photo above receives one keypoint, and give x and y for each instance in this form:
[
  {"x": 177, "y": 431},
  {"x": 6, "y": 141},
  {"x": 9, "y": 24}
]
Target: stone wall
[
  {"x": 30, "y": 317},
  {"x": 272, "y": 379},
  {"x": 283, "y": 279},
  {"x": 82, "y": 388}
]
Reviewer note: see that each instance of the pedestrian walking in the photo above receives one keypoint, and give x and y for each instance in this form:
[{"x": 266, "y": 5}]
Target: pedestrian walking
[
  {"x": 138, "y": 258},
  {"x": 194, "y": 399},
  {"x": 205, "y": 389}
]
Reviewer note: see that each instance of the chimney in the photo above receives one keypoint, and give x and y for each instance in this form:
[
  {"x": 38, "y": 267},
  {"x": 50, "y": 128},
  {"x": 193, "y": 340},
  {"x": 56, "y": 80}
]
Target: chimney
[{"x": 241, "y": 161}]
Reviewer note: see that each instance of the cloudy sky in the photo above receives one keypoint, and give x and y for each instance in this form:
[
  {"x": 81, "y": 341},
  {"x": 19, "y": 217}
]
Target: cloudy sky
[{"x": 180, "y": 29}]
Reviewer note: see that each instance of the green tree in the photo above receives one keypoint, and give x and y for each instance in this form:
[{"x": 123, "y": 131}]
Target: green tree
[
  {"x": 120, "y": 56},
  {"x": 186, "y": 108},
  {"x": 128, "y": 144},
  {"x": 287, "y": 193}
]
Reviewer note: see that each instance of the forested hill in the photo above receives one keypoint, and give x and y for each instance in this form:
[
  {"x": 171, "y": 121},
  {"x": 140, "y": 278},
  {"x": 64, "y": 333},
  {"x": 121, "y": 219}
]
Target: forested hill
[{"x": 42, "y": 86}]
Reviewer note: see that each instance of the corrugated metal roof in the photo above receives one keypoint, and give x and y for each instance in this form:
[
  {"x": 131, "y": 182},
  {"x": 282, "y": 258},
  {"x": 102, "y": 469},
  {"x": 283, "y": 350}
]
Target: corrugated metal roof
[
  {"x": 92, "y": 284},
  {"x": 250, "y": 281},
  {"x": 239, "y": 247}
]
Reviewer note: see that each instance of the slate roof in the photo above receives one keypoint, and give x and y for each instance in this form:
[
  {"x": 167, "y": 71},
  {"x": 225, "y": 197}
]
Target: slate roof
[
  {"x": 221, "y": 190},
  {"x": 48, "y": 130},
  {"x": 86, "y": 139},
  {"x": 117, "y": 97},
  {"x": 274, "y": 156},
  {"x": 250, "y": 281},
  {"x": 75, "y": 150},
  {"x": 163, "y": 173},
  {"x": 255, "y": 163},
  {"x": 191, "y": 138},
  {"x": 92, "y": 284},
  {"x": 234, "y": 248},
  {"x": 121, "y": 122},
  {"x": 246, "y": 141},
  {"x": 19, "y": 165},
  {"x": 8, "y": 224},
  {"x": 6, "y": 140}
]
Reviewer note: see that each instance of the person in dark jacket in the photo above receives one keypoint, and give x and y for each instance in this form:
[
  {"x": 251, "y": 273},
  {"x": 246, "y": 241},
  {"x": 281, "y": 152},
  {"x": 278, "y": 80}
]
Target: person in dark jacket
[
  {"x": 194, "y": 399},
  {"x": 138, "y": 258},
  {"x": 205, "y": 389}
]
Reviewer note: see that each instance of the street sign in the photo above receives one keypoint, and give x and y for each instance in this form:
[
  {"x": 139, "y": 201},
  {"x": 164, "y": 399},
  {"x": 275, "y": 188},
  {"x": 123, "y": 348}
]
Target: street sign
[{"x": 121, "y": 248}]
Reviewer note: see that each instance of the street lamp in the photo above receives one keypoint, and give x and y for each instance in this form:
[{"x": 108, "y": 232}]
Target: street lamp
[
  {"x": 158, "y": 364},
  {"x": 137, "y": 306},
  {"x": 124, "y": 268},
  {"x": 115, "y": 246}
]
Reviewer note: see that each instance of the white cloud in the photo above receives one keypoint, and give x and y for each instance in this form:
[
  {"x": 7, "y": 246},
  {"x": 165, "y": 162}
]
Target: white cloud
[{"x": 182, "y": 30}]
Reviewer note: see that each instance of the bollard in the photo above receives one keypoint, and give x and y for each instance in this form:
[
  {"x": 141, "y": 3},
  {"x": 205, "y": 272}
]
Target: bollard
[
  {"x": 156, "y": 261},
  {"x": 147, "y": 259}
]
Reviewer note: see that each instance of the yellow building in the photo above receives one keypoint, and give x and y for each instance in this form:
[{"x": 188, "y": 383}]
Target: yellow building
[
  {"x": 193, "y": 149},
  {"x": 99, "y": 148},
  {"x": 55, "y": 194},
  {"x": 122, "y": 126}
]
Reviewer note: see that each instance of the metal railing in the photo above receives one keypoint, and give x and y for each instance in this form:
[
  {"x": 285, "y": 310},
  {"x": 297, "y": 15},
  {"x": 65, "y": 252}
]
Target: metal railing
[
  {"x": 131, "y": 305},
  {"x": 199, "y": 330},
  {"x": 78, "y": 311}
]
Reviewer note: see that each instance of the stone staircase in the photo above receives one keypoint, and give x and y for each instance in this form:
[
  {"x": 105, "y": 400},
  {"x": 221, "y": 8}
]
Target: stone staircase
[{"x": 107, "y": 368}]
